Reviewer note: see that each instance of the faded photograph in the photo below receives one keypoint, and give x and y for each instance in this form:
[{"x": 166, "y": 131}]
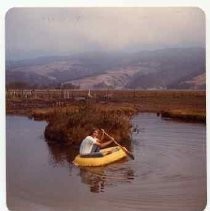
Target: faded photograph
[{"x": 105, "y": 109}]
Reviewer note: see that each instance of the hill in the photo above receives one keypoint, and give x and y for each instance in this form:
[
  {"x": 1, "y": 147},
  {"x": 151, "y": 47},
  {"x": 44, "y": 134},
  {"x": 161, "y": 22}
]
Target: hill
[{"x": 178, "y": 68}]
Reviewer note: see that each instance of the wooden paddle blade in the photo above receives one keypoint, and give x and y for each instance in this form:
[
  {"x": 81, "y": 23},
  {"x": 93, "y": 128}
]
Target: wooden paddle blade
[
  {"x": 131, "y": 156},
  {"x": 129, "y": 153}
]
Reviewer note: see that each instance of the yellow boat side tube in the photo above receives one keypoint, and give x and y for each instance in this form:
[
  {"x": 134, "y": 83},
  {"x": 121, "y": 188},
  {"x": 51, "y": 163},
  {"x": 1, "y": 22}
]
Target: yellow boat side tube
[{"x": 116, "y": 154}]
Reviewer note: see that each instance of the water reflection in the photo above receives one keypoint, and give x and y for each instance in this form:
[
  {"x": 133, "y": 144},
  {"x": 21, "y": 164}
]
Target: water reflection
[
  {"x": 60, "y": 154},
  {"x": 100, "y": 177},
  {"x": 97, "y": 178},
  {"x": 169, "y": 167}
]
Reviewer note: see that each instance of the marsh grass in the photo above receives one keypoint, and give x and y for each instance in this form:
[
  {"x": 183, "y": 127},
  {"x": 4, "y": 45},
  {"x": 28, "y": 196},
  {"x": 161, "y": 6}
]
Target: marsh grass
[
  {"x": 70, "y": 125},
  {"x": 186, "y": 115},
  {"x": 69, "y": 121}
]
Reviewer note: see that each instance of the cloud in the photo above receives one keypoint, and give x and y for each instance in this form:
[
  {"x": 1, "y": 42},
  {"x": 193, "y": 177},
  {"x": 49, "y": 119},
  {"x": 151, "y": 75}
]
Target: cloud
[{"x": 73, "y": 30}]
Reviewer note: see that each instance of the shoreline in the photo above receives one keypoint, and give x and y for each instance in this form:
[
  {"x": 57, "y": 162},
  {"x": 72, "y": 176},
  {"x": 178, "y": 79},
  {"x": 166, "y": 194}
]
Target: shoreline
[
  {"x": 70, "y": 119},
  {"x": 184, "y": 105},
  {"x": 192, "y": 118},
  {"x": 174, "y": 115}
]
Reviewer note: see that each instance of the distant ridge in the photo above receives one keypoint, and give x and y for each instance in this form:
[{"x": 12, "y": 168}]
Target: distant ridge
[{"x": 172, "y": 68}]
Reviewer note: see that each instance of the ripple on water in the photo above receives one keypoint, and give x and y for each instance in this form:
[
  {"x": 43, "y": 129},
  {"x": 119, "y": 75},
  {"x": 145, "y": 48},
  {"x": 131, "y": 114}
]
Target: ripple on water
[{"x": 168, "y": 173}]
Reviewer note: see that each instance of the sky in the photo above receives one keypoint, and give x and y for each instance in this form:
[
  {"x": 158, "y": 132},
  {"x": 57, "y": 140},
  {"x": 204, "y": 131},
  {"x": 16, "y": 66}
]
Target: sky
[{"x": 35, "y": 32}]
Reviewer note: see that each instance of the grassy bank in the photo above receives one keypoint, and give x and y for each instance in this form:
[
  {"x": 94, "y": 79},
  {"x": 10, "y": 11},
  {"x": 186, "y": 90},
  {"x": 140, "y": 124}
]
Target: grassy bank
[
  {"x": 149, "y": 101},
  {"x": 70, "y": 125},
  {"x": 188, "y": 116},
  {"x": 71, "y": 114}
]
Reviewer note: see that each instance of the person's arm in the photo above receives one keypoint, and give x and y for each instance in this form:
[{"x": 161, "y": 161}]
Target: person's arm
[
  {"x": 102, "y": 145},
  {"x": 102, "y": 136}
]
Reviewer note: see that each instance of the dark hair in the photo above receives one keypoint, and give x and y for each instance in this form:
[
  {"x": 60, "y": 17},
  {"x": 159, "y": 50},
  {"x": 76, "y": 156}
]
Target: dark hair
[{"x": 93, "y": 130}]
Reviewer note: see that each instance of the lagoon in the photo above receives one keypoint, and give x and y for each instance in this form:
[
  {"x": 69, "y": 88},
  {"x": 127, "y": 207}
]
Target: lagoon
[{"x": 168, "y": 173}]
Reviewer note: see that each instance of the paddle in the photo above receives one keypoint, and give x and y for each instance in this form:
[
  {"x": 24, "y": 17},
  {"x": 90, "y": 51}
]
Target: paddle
[{"x": 123, "y": 148}]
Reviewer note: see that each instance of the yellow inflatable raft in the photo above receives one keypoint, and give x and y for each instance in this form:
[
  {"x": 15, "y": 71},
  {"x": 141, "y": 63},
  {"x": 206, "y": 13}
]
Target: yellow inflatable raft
[{"x": 116, "y": 154}]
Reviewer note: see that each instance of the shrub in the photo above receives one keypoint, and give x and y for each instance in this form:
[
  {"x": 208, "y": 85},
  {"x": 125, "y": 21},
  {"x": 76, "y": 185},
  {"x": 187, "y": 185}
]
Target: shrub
[{"x": 72, "y": 125}]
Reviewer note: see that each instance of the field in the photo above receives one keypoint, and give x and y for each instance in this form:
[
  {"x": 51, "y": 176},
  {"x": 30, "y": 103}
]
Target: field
[
  {"x": 25, "y": 101},
  {"x": 72, "y": 113}
]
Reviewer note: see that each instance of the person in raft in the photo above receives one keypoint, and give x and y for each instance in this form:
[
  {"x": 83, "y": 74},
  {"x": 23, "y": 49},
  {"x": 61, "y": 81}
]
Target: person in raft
[{"x": 90, "y": 146}]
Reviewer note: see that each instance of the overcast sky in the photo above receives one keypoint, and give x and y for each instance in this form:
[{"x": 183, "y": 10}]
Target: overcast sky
[{"x": 33, "y": 32}]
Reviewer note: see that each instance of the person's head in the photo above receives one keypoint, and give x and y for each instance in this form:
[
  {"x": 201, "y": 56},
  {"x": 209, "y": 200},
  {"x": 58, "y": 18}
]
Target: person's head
[{"x": 94, "y": 132}]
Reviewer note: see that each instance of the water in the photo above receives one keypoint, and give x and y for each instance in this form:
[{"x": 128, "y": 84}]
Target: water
[{"x": 168, "y": 173}]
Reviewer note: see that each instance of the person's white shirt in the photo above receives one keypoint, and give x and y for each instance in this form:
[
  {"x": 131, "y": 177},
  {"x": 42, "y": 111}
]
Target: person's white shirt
[{"x": 87, "y": 145}]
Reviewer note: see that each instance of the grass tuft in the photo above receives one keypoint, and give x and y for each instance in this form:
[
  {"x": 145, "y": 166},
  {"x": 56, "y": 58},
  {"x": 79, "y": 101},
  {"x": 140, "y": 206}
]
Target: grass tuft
[{"x": 70, "y": 126}]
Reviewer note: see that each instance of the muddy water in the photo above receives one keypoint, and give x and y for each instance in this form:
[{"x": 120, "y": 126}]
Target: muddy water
[{"x": 168, "y": 173}]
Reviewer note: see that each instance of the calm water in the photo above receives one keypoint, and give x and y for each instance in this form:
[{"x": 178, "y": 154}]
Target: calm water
[{"x": 168, "y": 173}]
